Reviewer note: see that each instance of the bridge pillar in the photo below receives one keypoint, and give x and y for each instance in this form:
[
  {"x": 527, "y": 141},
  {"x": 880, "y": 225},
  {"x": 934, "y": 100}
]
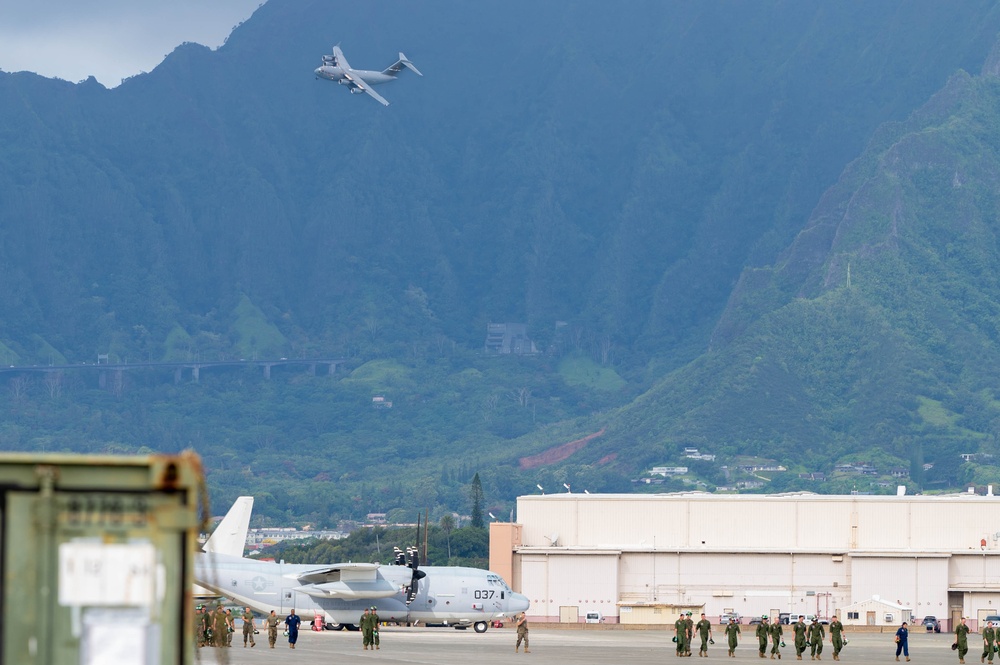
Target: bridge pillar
[
  {"x": 177, "y": 375},
  {"x": 102, "y": 380},
  {"x": 194, "y": 373},
  {"x": 312, "y": 369},
  {"x": 267, "y": 372},
  {"x": 333, "y": 368}
]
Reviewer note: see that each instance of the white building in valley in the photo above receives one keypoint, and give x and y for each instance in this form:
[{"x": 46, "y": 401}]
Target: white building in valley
[{"x": 799, "y": 553}]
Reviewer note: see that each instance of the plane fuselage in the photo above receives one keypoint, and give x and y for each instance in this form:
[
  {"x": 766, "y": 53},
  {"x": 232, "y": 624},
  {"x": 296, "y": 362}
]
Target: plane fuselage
[
  {"x": 333, "y": 73},
  {"x": 446, "y": 594}
]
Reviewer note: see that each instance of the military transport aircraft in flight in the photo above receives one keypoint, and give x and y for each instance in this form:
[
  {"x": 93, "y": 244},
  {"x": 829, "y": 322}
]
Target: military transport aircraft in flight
[
  {"x": 336, "y": 68},
  {"x": 403, "y": 591}
]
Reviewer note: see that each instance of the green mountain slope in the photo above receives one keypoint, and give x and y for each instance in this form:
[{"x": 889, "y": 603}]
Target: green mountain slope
[
  {"x": 632, "y": 184},
  {"x": 878, "y": 328}
]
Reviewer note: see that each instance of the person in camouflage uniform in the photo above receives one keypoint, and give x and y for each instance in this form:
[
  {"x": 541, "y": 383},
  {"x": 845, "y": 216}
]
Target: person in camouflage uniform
[
  {"x": 732, "y": 633},
  {"x": 763, "y": 632},
  {"x": 522, "y": 633},
  {"x": 989, "y": 640},
  {"x": 962, "y": 639},
  {"x": 816, "y": 635},
  {"x": 271, "y": 621},
  {"x": 220, "y": 628},
  {"x": 366, "y": 639},
  {"x": 836, "y": 637},
  {"x": 776, "y": 632},
  {"x": 680, "y": 630},
  {"x": 248, "y": 627},
  {"x": 704, "y": 628},
  {"x": 800, "y": 629}
]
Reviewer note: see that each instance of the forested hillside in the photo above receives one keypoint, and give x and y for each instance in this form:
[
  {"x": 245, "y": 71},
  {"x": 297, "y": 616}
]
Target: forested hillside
[
  {"x": 877, "y": 330},
  {"x": 668, "y": 194}
]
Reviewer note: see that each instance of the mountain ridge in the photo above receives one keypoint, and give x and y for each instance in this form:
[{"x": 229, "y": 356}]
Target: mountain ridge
[{"x": 657, "y": 192}]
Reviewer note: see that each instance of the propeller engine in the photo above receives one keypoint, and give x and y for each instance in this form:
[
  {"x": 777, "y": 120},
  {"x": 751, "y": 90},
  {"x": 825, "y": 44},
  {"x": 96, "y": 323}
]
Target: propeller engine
[{"x": 415, "y": 576}]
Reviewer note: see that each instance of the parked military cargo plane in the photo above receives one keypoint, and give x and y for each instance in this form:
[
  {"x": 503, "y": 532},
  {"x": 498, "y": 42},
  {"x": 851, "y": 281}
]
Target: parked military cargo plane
[{"x": 403, "y": 591}]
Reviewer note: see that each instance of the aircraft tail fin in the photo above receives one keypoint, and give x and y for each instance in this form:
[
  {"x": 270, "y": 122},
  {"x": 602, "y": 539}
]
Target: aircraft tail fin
[
  {"x": 230, "y": 537},
  {"x": 400, "y": 65}
]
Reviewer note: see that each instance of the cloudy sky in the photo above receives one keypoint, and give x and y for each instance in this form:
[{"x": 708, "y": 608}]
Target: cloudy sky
[{"x": 108, "y": 39}]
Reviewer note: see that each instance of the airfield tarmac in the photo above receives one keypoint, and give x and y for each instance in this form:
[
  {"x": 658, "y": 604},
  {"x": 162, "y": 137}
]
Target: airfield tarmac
[{"x": 447, "y": 646}]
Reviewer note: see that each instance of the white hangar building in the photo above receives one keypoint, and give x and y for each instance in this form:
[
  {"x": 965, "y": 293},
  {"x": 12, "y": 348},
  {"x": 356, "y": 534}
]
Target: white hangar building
[{"x": 649, "y": 555}]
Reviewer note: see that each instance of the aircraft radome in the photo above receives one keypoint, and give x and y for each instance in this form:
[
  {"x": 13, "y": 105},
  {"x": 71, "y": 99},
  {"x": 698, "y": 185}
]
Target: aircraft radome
[
  {"x": 403, "y": 591},
  {"x": 336, "y": 68}
]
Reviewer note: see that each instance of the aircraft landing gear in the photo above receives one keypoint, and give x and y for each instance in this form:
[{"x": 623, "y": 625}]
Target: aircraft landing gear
[{"x": 481, "y": 626}]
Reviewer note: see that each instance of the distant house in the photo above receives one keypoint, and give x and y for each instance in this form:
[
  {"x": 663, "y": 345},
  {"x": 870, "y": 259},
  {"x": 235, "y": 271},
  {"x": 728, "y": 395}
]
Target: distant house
[
  {"x": 899, "y": 472},
  {"x": 375, "y": 518},
  {"x": 692, "y": 453},
  {"x": 857, "y": 468},
  {"x": 508, "y": 338},
  {"x": 380, "y": 402},
  {"x": 816, "y": 475},
  {"x": 648, "y": 481},
  {"x": 668, "y": 470},
  {"x": 968, "y": 457},
  {"x": 875, "y": 612},
  {"x": 751, "y": 468}
]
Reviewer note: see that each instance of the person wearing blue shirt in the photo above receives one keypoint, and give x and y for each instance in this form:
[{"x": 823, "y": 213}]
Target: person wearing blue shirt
[
  {"x": 292, "y": 622},
  {"x": 901, "y": 644}
]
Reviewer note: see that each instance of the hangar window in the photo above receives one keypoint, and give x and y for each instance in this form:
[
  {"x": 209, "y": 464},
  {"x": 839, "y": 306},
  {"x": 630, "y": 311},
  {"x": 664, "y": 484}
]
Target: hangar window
[{"x": 852, "y": 615}]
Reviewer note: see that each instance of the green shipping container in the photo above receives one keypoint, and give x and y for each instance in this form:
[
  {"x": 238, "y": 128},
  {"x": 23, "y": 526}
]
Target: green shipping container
[{"x": 96, "y": 558}]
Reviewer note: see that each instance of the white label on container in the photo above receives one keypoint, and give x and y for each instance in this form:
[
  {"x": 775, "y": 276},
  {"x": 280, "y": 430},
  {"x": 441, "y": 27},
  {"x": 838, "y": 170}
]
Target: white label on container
[{"x": 95, "y": 573}]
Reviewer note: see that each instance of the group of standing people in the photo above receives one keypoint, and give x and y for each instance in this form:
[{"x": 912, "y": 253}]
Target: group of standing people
[
  {"x": 213, "y": 628},
  {"x": 369, "y": 628},
  {"x": 216, "y": 628},
  {"x": 990, "y": 637},
  {"x": 811, "y": 635},
  {"x": 686, "y": 627}
]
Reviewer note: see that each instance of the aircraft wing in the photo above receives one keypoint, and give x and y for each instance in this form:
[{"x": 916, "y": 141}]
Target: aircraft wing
[
  {"x": 339, "y": 60},
  {"x": 347, "y": 581},
  {"x": 364, "y": 572},
  {"x": 359, "y": 82}
]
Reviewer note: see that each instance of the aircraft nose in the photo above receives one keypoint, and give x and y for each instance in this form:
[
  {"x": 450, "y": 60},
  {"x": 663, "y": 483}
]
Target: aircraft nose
[
  {"x": 518, "y": 602},
  {"x": 316, "y": 71}
]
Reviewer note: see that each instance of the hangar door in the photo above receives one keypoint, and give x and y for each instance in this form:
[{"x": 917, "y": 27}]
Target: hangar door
[
  {"x": 553, "y": 582},
  {"x": 918, "y": 583}
]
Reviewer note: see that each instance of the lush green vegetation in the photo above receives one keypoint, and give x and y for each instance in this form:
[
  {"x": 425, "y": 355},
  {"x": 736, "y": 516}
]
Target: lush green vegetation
[
  {"x": 464, "y": 546},
  {"x": 672, "y": 196}
]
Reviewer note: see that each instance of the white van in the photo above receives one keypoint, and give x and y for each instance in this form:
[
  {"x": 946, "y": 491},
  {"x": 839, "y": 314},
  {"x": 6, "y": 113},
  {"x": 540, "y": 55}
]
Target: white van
[{"x": 594, "y": 617}]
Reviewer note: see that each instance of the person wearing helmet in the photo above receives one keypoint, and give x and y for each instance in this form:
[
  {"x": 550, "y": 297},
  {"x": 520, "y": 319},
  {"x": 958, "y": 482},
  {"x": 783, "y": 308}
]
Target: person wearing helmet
[{"x": 688, "y": 633}]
